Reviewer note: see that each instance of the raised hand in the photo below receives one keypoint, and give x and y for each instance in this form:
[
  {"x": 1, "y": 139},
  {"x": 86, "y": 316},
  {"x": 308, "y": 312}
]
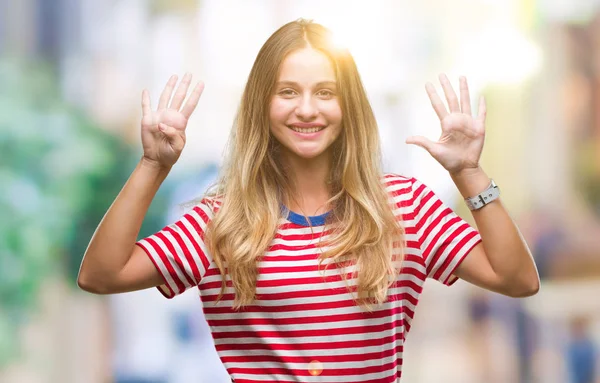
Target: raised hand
[
  {"x": 163, "y": 130},
  {"x": 461, "y": 142}
]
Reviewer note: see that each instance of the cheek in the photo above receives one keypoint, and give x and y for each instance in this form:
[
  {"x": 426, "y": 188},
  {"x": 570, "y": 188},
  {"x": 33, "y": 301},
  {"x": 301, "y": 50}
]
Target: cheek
[
  {"x": 278, "y": 111},
  {"x": 333, "y": 113}
]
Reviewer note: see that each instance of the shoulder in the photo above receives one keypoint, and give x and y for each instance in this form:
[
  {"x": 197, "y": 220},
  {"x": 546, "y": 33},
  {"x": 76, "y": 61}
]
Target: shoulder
[
  {"x": 213, "y": 202},
  {"x": 204, "y": 207},
  {"x": 397, "y": 184},
  {"x": 405, "y": 191}
]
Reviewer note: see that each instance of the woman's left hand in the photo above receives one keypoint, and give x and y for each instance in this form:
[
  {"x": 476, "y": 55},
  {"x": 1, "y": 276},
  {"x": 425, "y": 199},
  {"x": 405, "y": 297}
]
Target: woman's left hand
[{"x": 460, "y": 145}]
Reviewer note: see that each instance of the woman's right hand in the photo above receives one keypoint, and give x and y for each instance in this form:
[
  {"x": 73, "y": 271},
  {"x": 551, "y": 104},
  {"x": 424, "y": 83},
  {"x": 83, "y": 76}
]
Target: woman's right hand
[{"x": 163, "y": 130}]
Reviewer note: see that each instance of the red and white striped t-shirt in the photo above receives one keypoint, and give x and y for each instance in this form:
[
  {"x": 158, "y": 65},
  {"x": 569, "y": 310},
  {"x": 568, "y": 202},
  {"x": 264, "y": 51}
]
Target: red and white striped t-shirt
[{"x": 304, "y": 327}]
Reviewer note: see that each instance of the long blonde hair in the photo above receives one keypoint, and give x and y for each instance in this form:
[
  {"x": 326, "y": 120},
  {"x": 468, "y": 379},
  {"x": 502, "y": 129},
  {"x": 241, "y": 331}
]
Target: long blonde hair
[{"x": 253, "y": 183}]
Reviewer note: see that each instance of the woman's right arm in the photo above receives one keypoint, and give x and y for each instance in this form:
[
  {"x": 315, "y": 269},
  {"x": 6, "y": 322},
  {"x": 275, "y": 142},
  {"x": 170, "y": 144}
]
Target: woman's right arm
[{"x": 112, "y": 262}]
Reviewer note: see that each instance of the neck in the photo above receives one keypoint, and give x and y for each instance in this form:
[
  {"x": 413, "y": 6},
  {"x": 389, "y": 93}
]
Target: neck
[{"x": 309, "y": 183}]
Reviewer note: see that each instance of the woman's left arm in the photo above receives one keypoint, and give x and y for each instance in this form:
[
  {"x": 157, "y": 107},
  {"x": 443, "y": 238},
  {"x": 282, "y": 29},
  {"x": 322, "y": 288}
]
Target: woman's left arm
[{"x": 502, "y": 262}]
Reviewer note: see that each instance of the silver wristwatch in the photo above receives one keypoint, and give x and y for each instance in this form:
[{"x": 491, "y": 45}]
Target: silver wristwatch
[{"x": 483, "y": 198}]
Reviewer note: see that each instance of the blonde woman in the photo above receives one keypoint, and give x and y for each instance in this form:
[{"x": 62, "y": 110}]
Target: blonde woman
[{"x": 309, "y": 260}]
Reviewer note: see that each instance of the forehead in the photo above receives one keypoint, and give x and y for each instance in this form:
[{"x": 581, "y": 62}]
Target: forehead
[{"x": 306, "y": 65}]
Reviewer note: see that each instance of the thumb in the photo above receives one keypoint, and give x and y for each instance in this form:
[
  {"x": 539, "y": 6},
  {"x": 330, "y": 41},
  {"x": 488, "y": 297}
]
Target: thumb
[
  {"x": 421, "y": 141},
  {"x": 175, "y": 139}
]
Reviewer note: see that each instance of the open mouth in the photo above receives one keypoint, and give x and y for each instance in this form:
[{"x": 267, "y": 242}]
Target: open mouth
[{"x": 307, "y": 130}]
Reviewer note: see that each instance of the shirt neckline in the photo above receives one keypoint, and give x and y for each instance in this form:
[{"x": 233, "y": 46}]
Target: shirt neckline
[{"x": 299, "y": 219}]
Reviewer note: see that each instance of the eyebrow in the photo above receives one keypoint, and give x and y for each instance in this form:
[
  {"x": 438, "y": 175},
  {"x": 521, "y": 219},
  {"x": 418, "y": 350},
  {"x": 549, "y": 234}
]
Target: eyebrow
[{"x": 292, "y": 83}]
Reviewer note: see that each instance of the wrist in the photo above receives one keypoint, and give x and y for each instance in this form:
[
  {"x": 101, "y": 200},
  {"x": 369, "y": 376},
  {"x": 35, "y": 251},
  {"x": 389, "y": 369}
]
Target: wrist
[
  {"x": 154, "y": 166},
  {"x": 471, "y": 181}
]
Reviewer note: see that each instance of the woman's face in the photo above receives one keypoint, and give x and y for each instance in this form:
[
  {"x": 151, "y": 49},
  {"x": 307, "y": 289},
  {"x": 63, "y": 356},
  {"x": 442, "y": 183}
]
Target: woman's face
[{"x": 305, "y": 114}]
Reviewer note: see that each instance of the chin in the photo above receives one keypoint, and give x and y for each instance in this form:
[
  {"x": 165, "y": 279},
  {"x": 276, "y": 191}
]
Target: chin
[{"x": 308, "y": 154}]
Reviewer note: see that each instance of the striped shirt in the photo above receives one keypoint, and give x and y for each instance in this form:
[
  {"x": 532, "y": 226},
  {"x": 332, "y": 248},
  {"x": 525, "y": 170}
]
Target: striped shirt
[{"x": 305, "y": 325}]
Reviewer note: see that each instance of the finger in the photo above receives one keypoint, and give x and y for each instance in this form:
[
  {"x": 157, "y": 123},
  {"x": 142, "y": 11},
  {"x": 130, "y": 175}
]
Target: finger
[
  {"x": 450, "y": 95},
  {"x": 465, "y": 98},
  {"x": 146, "y": 108},
  {"x": 173, "y": 136},
  {"x": 192, "y": 101},
  {"x": 181, "y": 91},
  {"x": 165, "y": 96},
  {"x": 482, "y": 110},
  {"x": 421, "y": 141},
  {"x": 436, "y": 101}
]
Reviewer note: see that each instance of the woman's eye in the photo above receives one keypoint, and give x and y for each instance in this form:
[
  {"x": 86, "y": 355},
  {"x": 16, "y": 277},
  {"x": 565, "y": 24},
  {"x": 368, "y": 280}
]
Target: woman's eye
[
  {"x": 325, "y": 93},
  {"x": 287, "y": 92}
]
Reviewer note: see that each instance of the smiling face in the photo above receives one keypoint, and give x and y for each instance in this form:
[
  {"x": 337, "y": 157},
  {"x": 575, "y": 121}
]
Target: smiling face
[{"x": 305, "y": 114}]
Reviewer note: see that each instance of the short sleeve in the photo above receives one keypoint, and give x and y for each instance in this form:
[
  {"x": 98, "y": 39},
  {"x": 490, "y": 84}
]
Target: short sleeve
[
  {"x": 444, "y": 238},
  {"x": 178, "y": 251}
]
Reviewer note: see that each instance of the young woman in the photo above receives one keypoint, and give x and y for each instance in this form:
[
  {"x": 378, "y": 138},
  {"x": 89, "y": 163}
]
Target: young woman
[{"x": 308, "y": 259}]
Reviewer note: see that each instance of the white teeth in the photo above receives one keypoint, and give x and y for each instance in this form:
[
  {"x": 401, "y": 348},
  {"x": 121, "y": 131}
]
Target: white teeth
[{"x": 306, "y": 130}]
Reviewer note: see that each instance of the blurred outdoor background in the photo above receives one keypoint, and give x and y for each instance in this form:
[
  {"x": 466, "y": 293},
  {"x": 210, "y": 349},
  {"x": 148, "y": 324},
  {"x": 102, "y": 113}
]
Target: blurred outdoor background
[{"x": 71, "y": 77}]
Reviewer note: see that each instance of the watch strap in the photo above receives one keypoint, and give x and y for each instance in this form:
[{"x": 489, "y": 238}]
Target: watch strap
[{"x": 485, "y": 197}]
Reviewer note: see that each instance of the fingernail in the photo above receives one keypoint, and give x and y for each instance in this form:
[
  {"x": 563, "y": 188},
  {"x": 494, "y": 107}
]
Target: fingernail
[{"x": 162, "y": 127}]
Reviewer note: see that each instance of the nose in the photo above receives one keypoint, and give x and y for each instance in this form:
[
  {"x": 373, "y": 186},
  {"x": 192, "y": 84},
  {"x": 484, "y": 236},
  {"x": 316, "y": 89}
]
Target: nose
[{"x": 306, "y": 108}]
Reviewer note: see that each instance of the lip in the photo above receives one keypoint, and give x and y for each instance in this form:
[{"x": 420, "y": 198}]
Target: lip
[
  {"x": 307, "y": 135},
  {"x": 305, "y": 125}
]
